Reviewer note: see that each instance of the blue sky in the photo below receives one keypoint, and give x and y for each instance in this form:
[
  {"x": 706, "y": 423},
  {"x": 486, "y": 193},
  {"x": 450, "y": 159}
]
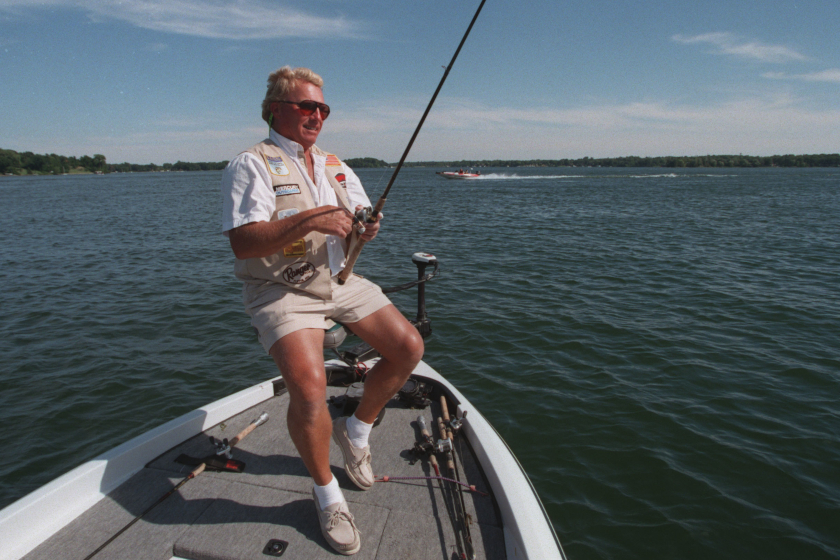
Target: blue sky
[{"x": 166, "y": 80}]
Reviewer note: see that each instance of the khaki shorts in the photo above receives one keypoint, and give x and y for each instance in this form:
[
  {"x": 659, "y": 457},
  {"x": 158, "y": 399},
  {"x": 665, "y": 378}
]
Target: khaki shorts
[{"x": 277, "y": 310}]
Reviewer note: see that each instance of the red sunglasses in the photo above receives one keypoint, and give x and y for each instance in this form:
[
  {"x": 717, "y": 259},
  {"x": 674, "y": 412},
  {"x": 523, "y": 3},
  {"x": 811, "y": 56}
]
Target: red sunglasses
[{"x": 308, "y": 107}]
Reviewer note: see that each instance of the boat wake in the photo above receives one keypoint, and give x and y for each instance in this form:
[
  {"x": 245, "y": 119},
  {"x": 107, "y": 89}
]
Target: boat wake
[{"x": 514, "y": 176}]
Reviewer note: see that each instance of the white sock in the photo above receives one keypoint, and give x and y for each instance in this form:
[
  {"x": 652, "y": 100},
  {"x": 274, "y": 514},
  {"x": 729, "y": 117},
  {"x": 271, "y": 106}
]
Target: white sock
[
  {"x": 329, "y": 494},
  {"x": 358, "y": 432}
]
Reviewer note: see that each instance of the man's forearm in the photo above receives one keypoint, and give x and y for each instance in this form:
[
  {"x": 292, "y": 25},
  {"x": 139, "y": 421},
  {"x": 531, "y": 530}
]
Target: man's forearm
[{"x": 262, "y": 239}]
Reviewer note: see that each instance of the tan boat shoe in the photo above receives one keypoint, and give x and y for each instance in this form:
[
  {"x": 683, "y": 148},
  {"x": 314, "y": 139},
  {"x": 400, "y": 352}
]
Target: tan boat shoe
[
  {"x": 338, "y": 527},
  {"x": 356, "y": 461}
]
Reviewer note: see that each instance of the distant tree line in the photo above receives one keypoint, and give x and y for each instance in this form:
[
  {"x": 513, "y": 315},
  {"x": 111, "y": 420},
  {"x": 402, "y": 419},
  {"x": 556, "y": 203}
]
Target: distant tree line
[
  {"x": 177, "y": 166},
  {"x": 357, "y": 163},
  {"x": 27, "y": 163},
  {"x": 819, "y": 160}
]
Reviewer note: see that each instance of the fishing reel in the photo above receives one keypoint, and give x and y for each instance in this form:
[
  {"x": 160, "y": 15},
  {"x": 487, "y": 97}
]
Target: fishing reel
[
  {"x": 361, "y": 217},
  {"x": 425, "y": 446},
  {"x": 415, "y": 394},
  {"x": 443, "y": 445},
  {"x": 421, "y": 450},
  {"x": 456, "y": 423},
  {"x": 222, "y": 447}
]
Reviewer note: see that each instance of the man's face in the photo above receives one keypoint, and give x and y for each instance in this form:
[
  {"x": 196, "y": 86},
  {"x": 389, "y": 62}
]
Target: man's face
[{"x": 288, "y": 120}]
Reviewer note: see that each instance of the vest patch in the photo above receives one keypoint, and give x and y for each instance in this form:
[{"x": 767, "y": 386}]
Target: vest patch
[
  {"x": 341, "y": 179},
  {"x": 332, "y": 161},
  {"x": 286, "y": 213},
  {"x": 281, "y": 190},
  {"x": 276, "y": 165},
  {"x": 298, "y": 273},
  {"x": 296, "y": 249}
]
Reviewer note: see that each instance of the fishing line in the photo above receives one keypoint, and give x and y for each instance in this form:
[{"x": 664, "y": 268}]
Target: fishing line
[{"x": 373, "y": 215}]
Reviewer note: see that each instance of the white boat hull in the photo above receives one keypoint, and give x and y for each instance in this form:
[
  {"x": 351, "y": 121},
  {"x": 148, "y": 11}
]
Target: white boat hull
[
  {"x": 456, "y": 175},
  {"x": 528, "y": 533}
]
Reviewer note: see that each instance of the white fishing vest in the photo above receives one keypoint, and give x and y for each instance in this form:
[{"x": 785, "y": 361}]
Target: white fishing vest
[{"x": 304, "y": 264}]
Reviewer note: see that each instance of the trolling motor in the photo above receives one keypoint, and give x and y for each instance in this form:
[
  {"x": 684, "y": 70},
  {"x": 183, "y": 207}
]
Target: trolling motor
[
  {"x": 413, "y": 393},
  {"x": 422, "y": 261}
]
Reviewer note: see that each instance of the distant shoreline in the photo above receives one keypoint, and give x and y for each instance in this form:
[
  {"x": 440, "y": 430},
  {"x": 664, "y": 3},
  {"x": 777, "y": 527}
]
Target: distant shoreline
[
  {"x": 708, "y": 161},
  {"x": 13, "y": 163}
]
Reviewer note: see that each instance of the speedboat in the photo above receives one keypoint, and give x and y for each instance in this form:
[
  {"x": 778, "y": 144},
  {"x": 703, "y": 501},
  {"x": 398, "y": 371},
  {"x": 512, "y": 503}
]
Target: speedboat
[
  {"x": 225, "y": 481},
  {"x": 459, "y": 174}
]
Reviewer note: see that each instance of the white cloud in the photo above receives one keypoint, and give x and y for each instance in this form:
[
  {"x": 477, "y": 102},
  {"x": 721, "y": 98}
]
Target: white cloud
[
  {"x": 218, "y": 19},
  {"x": 729, "y": 44},
  {"x": 459, "y": 129},
  {"x": 832, "y": 75}
]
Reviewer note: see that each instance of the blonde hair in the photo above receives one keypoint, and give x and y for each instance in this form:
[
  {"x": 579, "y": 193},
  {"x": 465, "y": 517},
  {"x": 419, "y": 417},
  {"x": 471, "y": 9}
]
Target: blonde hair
[{"x": 281, "y": 81}]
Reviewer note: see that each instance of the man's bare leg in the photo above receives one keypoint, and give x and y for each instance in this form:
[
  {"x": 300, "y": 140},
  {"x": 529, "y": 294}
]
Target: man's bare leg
[
  {"x": 401, "y": 347},
  {"x": 300, "y": 358}
]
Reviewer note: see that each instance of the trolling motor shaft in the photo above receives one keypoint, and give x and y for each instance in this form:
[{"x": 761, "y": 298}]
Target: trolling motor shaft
[{"x": 422, "y": 322}]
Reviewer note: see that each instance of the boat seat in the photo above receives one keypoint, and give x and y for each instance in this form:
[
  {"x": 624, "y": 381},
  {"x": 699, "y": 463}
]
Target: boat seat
[{"x": 334, "y": 335}]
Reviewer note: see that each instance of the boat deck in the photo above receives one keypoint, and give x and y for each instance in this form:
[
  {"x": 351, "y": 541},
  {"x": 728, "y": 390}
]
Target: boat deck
[{"x": 232, "y": 516}]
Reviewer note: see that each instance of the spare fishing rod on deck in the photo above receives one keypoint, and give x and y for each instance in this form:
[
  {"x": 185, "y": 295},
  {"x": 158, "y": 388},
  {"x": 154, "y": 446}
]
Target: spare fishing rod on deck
[
  {"x": 262, "y": 419},
  {"x": 371, "y": 216}
]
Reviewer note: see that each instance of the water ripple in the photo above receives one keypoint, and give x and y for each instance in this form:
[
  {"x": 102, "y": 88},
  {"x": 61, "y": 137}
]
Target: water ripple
[{"x": 659, "y": 349}]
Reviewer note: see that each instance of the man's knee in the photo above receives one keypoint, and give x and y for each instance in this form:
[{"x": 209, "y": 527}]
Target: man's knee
[
  {"x": 409, "y": 348},
  {"x": 308, "y": 394},
  {"x": 307, "y": 400}
]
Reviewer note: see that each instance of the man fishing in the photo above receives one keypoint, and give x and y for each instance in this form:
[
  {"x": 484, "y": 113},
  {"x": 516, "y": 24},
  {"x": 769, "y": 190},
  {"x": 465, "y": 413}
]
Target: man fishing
[{"x": 288, "y": 213}]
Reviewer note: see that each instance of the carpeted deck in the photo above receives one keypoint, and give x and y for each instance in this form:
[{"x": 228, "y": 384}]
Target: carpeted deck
[{"x": 232, "y": 516}]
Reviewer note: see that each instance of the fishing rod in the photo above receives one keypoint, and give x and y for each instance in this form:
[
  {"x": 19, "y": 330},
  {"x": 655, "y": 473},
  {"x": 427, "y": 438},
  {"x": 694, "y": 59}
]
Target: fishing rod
[
  {"x": 372, "y": 216},
  {"x": 449, "y": 452},
  {"x": 460, "y": 542},
  {"x": 263, "y": 418}
]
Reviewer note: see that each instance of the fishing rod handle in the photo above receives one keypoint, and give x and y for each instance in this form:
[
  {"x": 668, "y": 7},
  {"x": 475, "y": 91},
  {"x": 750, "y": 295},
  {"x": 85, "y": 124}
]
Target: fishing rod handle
[
  {"x": 444, "y": 408},
  {"x": 450, "y": 462},
  {"x": 441, "y": 427},
  {"x": 434, "y": 463},
  {"x": 424, "y": 430},
  {"x": 356, "y": 249},
  {"x": 250, "y": 428}
]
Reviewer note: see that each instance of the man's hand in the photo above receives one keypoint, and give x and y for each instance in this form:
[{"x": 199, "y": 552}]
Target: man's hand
[
  {"x": 370, "y": 229},
  {"x": 332, "y": 220}
]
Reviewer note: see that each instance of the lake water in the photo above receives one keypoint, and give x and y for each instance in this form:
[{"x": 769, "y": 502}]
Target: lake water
[{"x": 660, "y": 349}]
